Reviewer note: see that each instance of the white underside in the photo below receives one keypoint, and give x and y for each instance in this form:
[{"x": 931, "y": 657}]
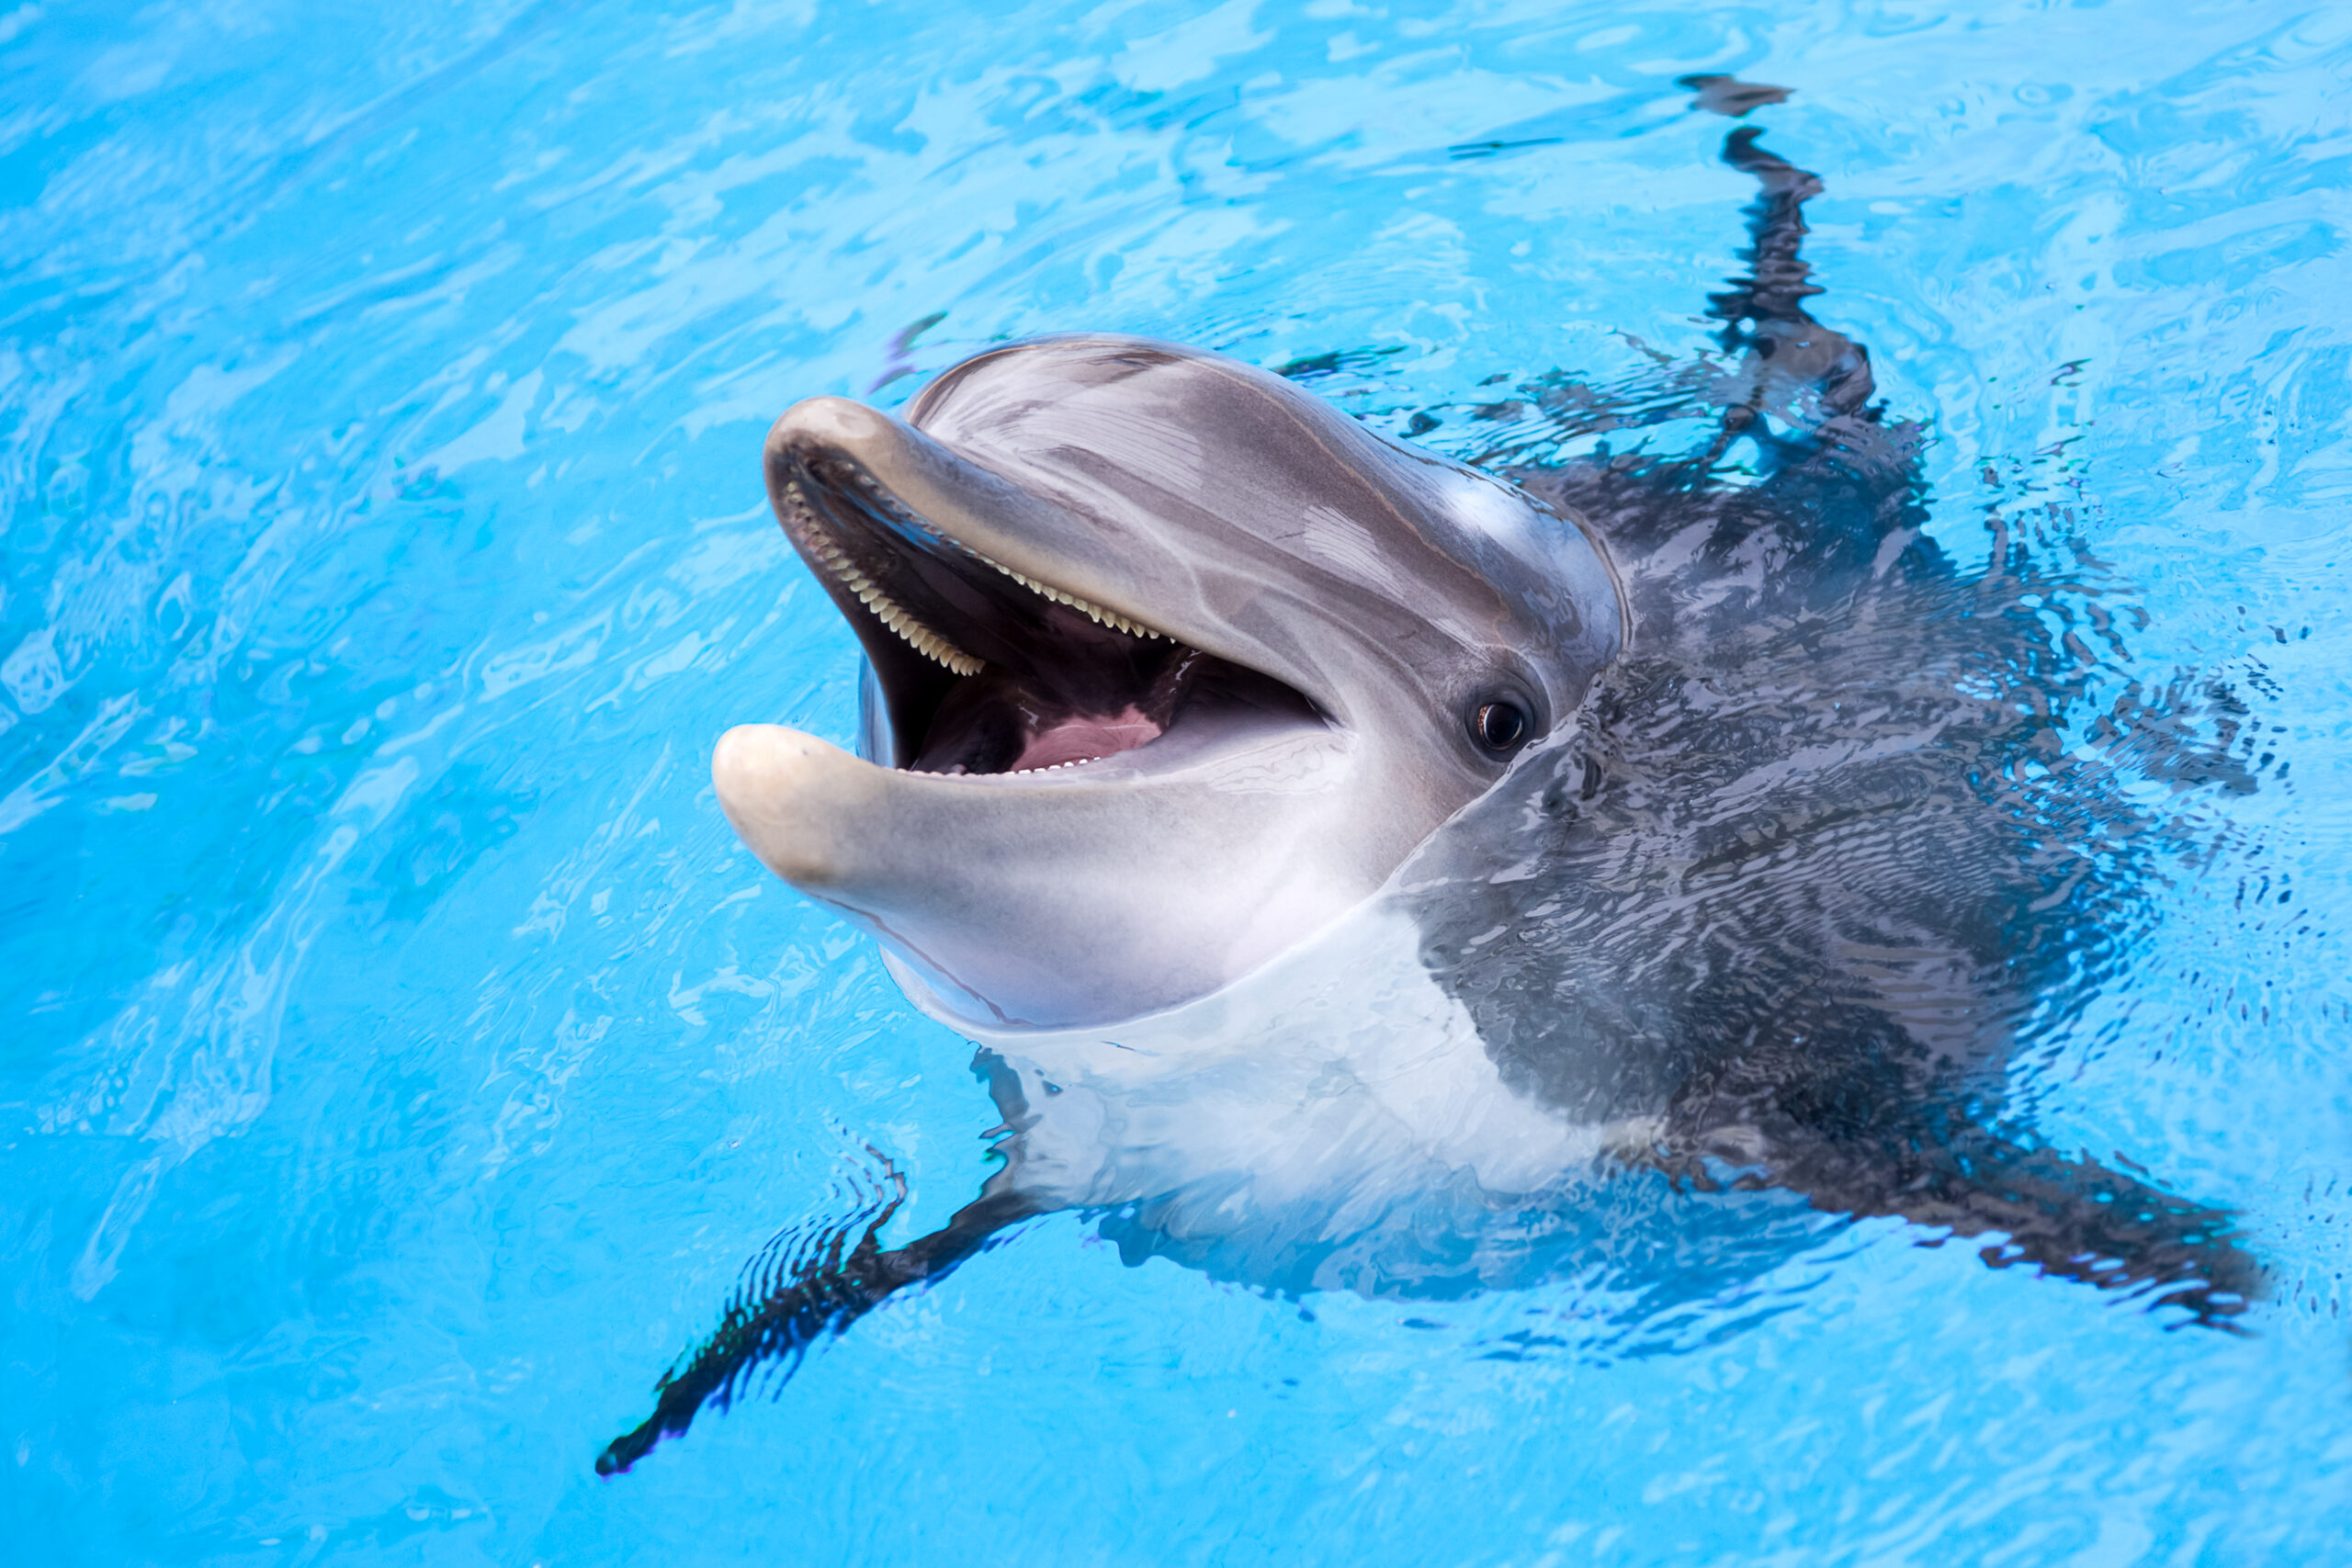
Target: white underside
[{"x": 1341, "y": 1079}]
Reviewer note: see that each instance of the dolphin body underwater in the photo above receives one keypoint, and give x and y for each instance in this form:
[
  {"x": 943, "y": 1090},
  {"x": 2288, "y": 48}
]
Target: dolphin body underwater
[{"x": 1314, "y": 833}]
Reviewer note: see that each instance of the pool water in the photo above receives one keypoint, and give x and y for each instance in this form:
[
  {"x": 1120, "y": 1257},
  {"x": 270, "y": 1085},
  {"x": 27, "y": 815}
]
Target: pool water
[{"x": 401, "y": 1056}]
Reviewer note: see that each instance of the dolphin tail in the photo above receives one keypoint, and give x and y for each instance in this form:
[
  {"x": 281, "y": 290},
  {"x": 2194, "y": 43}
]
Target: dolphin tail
[
  {"x": 793, "y": 1298},
  {"x": 2067, "y": 1216}
]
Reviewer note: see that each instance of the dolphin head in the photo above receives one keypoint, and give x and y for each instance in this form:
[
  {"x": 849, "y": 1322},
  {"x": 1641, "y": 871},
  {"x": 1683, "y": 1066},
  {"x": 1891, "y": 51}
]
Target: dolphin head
[{"x": 1169, "y": 665}]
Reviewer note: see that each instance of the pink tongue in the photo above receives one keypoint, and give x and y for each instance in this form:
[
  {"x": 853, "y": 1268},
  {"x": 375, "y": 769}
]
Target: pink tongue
[{"x": 1084, "y": 739}]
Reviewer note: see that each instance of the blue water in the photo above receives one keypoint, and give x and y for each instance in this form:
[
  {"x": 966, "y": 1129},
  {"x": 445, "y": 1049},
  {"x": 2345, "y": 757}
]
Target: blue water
[{"x": 399, "y": 1055}]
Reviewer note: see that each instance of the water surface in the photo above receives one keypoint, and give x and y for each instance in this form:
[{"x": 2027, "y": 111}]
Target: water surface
[{"x": 401, "y": 1056}]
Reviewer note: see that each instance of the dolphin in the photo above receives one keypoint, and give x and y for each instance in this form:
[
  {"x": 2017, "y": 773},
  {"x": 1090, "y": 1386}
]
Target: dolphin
[{"x": 1310, "y": 829}]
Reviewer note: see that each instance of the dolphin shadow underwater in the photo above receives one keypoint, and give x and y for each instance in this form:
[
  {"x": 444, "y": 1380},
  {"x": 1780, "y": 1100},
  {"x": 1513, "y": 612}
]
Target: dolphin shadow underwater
[{"x": 1365, "y": 871}]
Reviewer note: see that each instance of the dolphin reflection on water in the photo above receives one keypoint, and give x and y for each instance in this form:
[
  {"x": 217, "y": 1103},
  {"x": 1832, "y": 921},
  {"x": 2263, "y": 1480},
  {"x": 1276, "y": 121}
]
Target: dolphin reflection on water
[{"x": 1319, "y": 835}]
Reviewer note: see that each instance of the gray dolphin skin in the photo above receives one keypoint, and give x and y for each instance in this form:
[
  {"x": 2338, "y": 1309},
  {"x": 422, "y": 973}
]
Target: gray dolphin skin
[
  {"x": 1364, "y": 871},
  {"x": 1172, "y": 665}
]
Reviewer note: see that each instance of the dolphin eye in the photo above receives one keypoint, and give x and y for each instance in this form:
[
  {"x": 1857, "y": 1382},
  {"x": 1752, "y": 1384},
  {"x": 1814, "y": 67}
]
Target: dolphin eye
[{"x": 1498, "y": 725}]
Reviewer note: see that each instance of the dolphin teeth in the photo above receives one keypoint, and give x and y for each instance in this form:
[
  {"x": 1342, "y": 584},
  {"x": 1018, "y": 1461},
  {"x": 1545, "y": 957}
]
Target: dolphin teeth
[
  {"x": 1095, "y": 613},
  {"x": 884, "y": 608}
]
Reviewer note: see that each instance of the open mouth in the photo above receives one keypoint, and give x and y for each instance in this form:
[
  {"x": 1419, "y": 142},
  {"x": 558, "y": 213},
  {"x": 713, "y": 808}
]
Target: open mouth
[{"x": 985, "y": 671}]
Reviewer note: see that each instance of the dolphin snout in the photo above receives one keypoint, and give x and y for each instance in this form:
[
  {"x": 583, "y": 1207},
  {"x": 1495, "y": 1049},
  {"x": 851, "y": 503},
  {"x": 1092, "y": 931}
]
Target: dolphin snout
[
  {"x": 828, "y": 423},
  {"x": 952, "y": 493},
  {"x": 801, "y": 803}
]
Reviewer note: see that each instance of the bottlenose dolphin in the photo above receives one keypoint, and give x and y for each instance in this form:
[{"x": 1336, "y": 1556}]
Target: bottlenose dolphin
[{"x": 1306, "y": 825}]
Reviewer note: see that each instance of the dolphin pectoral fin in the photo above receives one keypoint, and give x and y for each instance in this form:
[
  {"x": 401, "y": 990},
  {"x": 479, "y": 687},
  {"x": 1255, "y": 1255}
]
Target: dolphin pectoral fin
[
  {"x": 2069, "y": 1216},
  {"x": 806, "y": 1294}
]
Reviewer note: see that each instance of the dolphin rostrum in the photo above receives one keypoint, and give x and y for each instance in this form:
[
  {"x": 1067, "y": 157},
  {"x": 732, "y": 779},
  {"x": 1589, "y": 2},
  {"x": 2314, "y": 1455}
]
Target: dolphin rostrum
[{"x": 1309, "y": 828}]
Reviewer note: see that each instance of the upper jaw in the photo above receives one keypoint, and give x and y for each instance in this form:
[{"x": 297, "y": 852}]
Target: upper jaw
[
  {"x": 832, "y": 451},
  {"x": 958, "y": 583}
]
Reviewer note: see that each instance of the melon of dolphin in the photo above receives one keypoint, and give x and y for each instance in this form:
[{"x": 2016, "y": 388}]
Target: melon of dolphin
[
  {"x": 1470, "y": 838},
  {"x": 1172, "y": 664}
]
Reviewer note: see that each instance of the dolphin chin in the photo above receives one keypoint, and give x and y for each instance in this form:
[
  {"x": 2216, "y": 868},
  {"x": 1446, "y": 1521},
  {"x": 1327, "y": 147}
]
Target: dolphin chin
[{"x": 1171, "y": 665}]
